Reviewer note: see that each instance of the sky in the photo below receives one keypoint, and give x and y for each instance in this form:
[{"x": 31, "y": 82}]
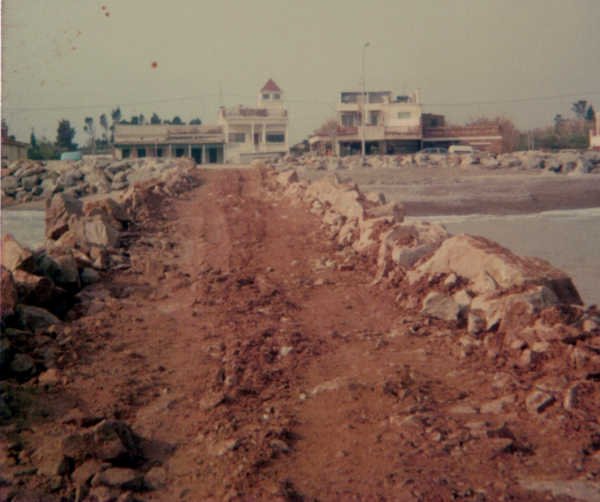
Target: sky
[{"x": 71, "y": 59}]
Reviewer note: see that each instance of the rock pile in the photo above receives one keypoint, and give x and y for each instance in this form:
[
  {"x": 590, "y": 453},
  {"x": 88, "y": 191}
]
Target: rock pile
[
  {"x": 469, "y": 281},
  {"x": 574, "y": 163},
  {"x": 30, "y": 180},
  {"x": 94, "y": 457}
]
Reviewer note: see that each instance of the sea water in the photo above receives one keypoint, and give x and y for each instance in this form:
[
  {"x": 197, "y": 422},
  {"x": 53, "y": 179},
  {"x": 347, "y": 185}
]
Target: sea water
[{"x": 569, "y": 240}]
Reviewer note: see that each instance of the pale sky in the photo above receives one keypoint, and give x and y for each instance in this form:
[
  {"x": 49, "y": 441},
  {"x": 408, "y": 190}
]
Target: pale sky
[{"x": 526, "y": 59}]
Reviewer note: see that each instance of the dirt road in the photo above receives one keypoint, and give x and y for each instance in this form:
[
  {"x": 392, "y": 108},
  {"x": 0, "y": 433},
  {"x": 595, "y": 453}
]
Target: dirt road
[{"x": 258, "y": 368}]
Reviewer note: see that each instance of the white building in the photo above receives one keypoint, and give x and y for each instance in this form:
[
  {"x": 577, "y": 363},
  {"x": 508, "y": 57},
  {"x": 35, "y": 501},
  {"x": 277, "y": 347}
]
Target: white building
[
  {"x": 240, "y": 135},
  {"x": 256, "y": 132},
  {"x": 390, "y": 125}
]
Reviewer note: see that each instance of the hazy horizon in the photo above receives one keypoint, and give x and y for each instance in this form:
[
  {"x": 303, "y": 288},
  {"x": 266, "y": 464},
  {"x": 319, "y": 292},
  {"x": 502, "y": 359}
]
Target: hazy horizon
[{"x": 67, "y": 59}]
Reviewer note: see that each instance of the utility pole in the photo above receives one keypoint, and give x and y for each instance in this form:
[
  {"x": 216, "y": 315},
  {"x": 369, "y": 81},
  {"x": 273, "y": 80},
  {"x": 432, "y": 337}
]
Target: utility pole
[{"x": 364, "y": 116}]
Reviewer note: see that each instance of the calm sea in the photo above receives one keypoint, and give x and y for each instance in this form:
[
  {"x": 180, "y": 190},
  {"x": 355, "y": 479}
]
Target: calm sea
[{"x": 569, "y": 240}]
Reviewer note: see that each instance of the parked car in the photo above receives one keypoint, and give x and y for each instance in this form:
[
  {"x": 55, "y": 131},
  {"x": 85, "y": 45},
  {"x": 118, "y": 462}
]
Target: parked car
[
  {"x": 70, "y": 156},
  {"x": 435, "y": 151},
  {"x": 460, "y": 149}
]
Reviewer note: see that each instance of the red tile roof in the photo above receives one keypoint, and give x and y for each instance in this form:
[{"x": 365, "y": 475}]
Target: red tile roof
[{"x": 271, "y": 86}]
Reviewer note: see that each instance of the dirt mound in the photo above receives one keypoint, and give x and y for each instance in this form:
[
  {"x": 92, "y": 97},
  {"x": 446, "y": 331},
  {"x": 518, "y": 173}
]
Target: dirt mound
[{"x": 246, "y": 354}]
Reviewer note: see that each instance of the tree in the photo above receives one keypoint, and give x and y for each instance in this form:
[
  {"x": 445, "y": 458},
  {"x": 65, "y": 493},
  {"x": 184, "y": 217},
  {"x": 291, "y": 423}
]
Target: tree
[
  {"x": 135, "y": 120},
  {"x": 510, "y": 134},
  {"x": 91, "y": 130},
  {"x": 32, "y": 139},
  {"x": 177, "y": 121},
  {"x": 558, "y": 122},
  {"x": 44, "y": 150},
  {"x": 142, "y": 119},
  {"x": 104, "y": 124},
  {"x": 591, "y": 114},
  {"x": 195, "y": 122},
  {"x": 327, "y": 127},
  {"x": 579, "y": 109},
  {"x": 116, "y": 115},
  {"x": 155, "y": 119},
  {"x": 65, "y": 135}
]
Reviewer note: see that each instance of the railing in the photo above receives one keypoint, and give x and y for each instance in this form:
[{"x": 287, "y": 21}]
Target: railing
[
  {"x": 457, "y": 131},
  {"x": 253, "y": 112}
]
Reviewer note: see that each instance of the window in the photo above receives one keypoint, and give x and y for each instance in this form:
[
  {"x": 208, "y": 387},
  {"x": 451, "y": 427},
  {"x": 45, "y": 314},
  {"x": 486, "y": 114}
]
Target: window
[
  {"x": 276, "y": 138},
  {"x": 237, "y": 137},
  {"x": 374, "y": 118},
  {"x": 403, "y": 115},
  {"x": 179, "y": 152},
  {"x": 276, "y": 96},
  {"x": 141, "y": 151},
  {"x": 348, "y": 120},
  {"x": 159, "y": 152},
  {"x": 433, "y": 122},
  {"x": 126, "y": 153},
  {"x": 265, "y": 96}
]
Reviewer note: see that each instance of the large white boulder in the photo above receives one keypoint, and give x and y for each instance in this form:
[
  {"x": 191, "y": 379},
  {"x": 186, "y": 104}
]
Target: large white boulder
[{"x": 469, "y": 257}]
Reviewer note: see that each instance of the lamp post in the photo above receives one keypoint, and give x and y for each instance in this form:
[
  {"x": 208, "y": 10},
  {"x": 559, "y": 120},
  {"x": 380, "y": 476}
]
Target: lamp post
[{"x": 363, "y": 100}]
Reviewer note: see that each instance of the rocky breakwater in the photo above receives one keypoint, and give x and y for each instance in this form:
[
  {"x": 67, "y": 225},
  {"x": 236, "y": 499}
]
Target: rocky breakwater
[
  {"x": 520, "y": 314},
  {"x": 573, "y": 163},
  {"x": 71, "y": 455},
  {"x": 30, "y": 180}
]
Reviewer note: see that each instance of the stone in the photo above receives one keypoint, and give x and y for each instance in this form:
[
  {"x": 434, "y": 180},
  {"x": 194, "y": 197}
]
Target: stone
[
  {"x": 497, "y": 405},
  {"x": 577, "y": 489},
  {"x": 468, "y": 256},
  {"x": 100, "y": 233},
  {"x": 463, "y": 409},
  {"x": 118, "y": 477},
  {"x": 155, "y": 271},
  {"x": 9, "y": 295},
  {"x": 440, "y": 306},
  {"x": 6, "y": 353},
  {"x": 15, "y": 256},
  {"x": 50, "y": 459},
  {"x": 34, "y": 317},
  {"x": 89, "y": 276},
  {"x": 69, "y": 278},
  {"x": 537, "y": 402},
  {"x": 116, "y": 442},
  {"x": 22, "y": 365},
  {"x": 394, "y": 209},
  {"x": 10, "y": 184},
  {"x": 220, "y": 448},
  {"x": 59, "y": 210},
  {"x": 287, "y": 177},
  {"x": 155, "y": 478},
  {"x": 50, "y": 377}
]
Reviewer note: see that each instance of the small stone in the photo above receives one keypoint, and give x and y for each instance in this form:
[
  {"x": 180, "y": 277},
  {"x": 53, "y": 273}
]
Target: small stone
[
  {"x": 538, "y": 401},
  {"x": 463, "y": 410}
]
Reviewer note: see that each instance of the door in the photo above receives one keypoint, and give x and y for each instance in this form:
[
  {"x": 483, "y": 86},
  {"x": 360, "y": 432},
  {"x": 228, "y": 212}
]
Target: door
[
  {"x": 212, "y": 155},
  {"x": 256, "y": 138},
  {"x": 197, "y": 155}
]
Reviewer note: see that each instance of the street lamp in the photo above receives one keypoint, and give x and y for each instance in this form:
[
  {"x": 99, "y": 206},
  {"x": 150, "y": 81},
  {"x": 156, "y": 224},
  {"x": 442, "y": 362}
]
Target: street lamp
[{"x": 363, "y": 101}]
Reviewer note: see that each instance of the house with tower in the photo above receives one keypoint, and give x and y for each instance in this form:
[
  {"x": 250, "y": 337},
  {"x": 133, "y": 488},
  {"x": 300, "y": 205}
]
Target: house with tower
[{"x": 240, "y": 135}]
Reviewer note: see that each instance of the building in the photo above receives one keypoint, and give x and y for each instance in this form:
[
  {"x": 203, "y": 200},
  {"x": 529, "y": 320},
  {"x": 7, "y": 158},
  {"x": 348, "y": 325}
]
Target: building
[
  {"x": 205, "y": 144},
  {"x": 256, "y": 132},
  {"x": 595, "y": 134},
  {"x": 390, "y": 125},
  {"x": 395, "y": 126},
  {"x": 11, "y": 148},
  {"x": 240, "y": 134}
]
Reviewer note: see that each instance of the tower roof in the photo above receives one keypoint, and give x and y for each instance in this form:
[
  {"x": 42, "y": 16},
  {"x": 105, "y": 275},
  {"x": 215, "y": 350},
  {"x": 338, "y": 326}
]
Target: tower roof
[{"x": 271, "y": 86}]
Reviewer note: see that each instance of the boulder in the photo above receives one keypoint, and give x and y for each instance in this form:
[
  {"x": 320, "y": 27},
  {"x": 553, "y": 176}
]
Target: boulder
[
  {"x": 15, "y": 256},
  {"x": 10, "y": 184},
  {"x": 110, "y": 207},
  {"x": 440, "y": 306},
  {"x": 59, "y": 210},
  {"x": 9, "y": 292},
  {"x": 513, "y": 311},
  {"x": 394, "y": 209},
  {"x": 100, "y": 233},
  {"x": 287, "y": 177},
  {"x": 35, "y": 317},
  {"x": 469, "y": 256},
  {"x": 38, "y": 290}
]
